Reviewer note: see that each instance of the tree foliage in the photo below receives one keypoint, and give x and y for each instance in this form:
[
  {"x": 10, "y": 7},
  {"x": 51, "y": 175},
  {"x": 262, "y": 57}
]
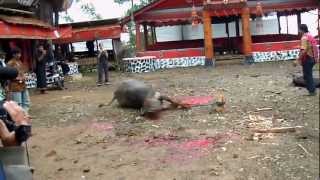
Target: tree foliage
[
  {"x": 131, "y": 26},
  {"x": 87, "y": 8}
]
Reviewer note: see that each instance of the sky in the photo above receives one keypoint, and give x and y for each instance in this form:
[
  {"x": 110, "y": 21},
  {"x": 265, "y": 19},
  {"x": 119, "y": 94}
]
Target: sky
[{"x": 106, "y": 8}]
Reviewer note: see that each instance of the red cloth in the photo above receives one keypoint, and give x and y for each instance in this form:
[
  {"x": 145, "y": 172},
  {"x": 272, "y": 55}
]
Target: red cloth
[{"x": 192, "y": 101}]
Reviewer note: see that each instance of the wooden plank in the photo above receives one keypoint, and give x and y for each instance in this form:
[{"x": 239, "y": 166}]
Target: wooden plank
[
  {"x": 208, "y": 43},
  {"x": 247, "y": 39}
]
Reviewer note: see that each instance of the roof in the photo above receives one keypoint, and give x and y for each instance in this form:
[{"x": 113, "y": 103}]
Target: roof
[
  {"x": 25, "y": 31},
  {"x": 164, "y": 4},
  {"x": 12, "y": 11},
  {"x": 158, "y": 12},
  {"x": 96, "y": 23},
  {"x": 24, "y": 20},
  {"x": 92, "y": 30}
]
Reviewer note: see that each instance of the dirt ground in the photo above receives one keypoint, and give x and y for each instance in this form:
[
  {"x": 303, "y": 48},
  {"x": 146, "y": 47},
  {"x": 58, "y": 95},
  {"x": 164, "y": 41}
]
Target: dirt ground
[{"x": 75, "y": 137}]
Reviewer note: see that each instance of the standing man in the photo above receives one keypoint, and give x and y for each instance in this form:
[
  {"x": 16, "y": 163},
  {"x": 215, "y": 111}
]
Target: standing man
[
  {"x": 308, "y": 57},
  {"x": 103, "y": 68},
  {"x": 41, "y": 69},
  {"x": 17, "y": 87}
]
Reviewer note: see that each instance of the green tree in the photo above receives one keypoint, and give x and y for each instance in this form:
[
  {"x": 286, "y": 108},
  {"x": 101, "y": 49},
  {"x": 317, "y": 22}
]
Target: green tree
[
  {"x": 131, "y": 25},
  {"x": 87, "y": 8}
]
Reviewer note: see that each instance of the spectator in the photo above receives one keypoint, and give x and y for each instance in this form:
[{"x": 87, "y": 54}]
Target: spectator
[
  {"x": 42, "y": 58},
  {"x": 307, "y": 58},
  {"x": 103, "y": 68},
  {"x": 17, "y": 87}
]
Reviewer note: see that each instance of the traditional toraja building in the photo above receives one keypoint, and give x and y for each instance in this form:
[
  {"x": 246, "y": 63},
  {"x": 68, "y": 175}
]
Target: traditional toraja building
[
  {"x": 90, "y": 32},
  {"x": 26, "y": 23},
  {"x": 239, "y": 16}
]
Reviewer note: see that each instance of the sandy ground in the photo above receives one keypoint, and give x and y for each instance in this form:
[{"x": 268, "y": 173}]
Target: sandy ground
[{"x": 77, "y": 138}]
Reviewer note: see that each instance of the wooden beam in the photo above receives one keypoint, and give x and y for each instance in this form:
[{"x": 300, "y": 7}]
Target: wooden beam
[
  {"x": 145, "y": 33},
  {"x": 154, "y": 34},
  {"x": 279, "y": 24},
  {"x": 246, "y": 32},
  {"x": 228, "y": 35},
  {"x": 208, "y": 43},
  {"x": 299, "y": 19},
  {"x": 237, "y": 28},
  {"x": 138, "y": 38},
  {"x": 287, "y": 24}
]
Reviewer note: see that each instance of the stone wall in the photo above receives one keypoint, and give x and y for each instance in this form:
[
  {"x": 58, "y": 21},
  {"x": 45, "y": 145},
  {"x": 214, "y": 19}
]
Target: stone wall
[
  {"x": 32, "y": 78},
  {"x": 276, "y": 55},
  {"x": 143, "y": 64},
  {"x": 137, "y": 65}
]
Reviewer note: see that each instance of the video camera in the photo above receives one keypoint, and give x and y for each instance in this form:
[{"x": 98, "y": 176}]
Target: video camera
[{"x": 22, "y": 133}]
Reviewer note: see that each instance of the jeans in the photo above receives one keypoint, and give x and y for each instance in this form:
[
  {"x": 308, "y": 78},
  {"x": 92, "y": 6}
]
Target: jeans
[
  {"x": 22, "y": 98},
  {"x": 103, "y": 71},
  {"x": 307, "y": 67}
]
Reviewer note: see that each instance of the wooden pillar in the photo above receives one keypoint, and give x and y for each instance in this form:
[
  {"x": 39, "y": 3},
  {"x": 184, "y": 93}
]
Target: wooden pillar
[
  {"x": 299, "y": 19},
  {"x": 138, "y": 38},
  {"x": 279, "y": 24},
  {"x": 154, "y": 36},
  {"x": 145, "y": 33},
  {"x": 237, "y": 27},
  {"x": 182, "y": 33},
  {"x": 287, "y": 24},
  {"x": 228, "y": 35},
  {"x": 246, "y": 34},
  {"x": 208, "y": 43}
]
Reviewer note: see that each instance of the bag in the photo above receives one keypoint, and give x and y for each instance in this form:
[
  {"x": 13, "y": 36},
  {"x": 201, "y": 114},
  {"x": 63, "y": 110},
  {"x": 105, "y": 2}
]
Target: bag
[
  {"x": 314, "y": 46},
  {"x": 17, "y": 86}
]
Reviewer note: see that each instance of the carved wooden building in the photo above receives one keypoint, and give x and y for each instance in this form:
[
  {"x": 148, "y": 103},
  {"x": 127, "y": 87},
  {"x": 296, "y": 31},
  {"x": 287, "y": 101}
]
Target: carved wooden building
[{"x": 207, "y": 14}]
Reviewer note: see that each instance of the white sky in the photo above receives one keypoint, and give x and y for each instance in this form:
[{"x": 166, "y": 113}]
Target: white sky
[{"x": 106, "y": 8}]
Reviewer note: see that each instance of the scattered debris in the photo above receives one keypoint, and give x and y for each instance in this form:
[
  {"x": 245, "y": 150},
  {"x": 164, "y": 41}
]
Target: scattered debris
[
  {"x": 235, "y": 156},
  {"x": 60, "y": 169},
  {"x": 255, "y": 75},
  {"x": 86, "y": 170},
  {"x": 155, "y": 126},
  {"x": 278, "y": 130},
  {"x": 305, "y": 150},
  {"x": 51, "y": 153},
  {"x": 66, "y": 97},
  {"x": 263, "y": 109}
]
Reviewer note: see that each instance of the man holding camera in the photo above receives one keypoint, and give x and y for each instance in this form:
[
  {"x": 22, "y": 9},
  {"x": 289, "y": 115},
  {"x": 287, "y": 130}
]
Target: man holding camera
[
  {"x": 17, "y": 87},
  {"x": 103, "y": 68},
  {"x": 15, "y": 127}
]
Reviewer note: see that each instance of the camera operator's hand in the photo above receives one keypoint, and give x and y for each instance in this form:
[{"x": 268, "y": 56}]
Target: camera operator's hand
[{"x": 18, "y": 115}]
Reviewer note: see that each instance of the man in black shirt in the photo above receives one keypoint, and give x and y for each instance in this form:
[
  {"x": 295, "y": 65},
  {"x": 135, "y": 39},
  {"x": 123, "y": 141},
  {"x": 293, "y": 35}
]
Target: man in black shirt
[{"x": 103, "y": 69}]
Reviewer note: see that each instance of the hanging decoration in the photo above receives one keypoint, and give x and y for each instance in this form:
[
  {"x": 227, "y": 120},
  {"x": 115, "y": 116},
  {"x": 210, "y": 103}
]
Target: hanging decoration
[
  {"x": 259, "y": 10},
  {"x": 195, "y": 19}
]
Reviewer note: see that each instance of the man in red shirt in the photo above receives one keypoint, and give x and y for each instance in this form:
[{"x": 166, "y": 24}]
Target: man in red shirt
[{"x": 307, "y": 59}]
